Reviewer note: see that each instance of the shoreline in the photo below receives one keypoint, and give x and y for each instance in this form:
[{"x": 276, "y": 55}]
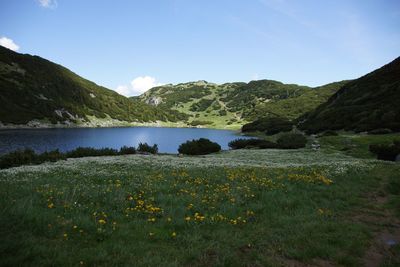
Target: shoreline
[{"x": 158, "y": 124}]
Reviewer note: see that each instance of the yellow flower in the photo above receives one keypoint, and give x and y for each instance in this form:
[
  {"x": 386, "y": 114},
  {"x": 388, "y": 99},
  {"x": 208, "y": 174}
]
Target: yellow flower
[
  {"x": 187, "y": 218},
  {"x": 65, "y": 235},
  {"x": 50, "y": 206},
  {"x": 151, "y": 234},
  {"x": 173, "y": 234},
  {"x": 75, "y": 227},
  {"x": 101, "y": 221}
]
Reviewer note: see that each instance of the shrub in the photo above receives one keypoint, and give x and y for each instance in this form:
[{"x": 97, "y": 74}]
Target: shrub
[
  {"x": 80, "y": 152},
  {"x": 51, "y": 156},
  {"x": 199, "y": 122},
  {"x": 144, "y": 147},
  {"x": 127, "y": 150},
  {"x": 201, "y": 146},
  {"x": 269, "y": 125},
  {"x": 251, "y": 143},
  {"x": 380, "y": 131},
  {"x": 386, "y": 152},
  {"x": 222, "y": 112},
  {"x": 329, "y": 133},
  {"x": 18, "y": 158},
  {"x": 292, "y": 141}
]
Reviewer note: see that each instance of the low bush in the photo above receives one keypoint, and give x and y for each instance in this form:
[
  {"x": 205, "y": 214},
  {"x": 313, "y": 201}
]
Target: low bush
[
  {"x": 125, "y": 150},
  {"x": 251, "y": 143},
  {"x": 380, "y": 131},
  {"x": 28, "y": 156},
  {"x": 292, "y": 141},
  {"x": 199, "y": 123},
  {"x": 201, "y": 146},
  {"x": 386, "y": 152},
  {"x": 145, "y": 148},
  {"x": 329, "y": 133},
  {"x": 51, "y": 156},
  {"x": 18, "y": 158},
  {"x": 270, "y": 126},
  {"x": 80, "y": 152}
]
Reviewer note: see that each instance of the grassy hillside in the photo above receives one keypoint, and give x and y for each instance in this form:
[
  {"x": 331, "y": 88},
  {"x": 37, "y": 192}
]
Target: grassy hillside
[
  {"x": 35, "y": 88},
  {"x": 233, "y": 104},
  {"x": 367, "y": 103}
]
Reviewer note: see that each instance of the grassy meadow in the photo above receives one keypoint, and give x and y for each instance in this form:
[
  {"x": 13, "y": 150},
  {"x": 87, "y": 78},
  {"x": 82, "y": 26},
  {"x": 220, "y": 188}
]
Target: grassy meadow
[{"x": 234, "y": 208}]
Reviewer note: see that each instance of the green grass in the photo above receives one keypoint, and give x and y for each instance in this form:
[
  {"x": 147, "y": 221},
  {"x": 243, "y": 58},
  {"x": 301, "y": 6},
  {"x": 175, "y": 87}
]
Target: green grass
[
  {"x": 356, "y": 145},
  {"x": 254, "y": 207}
]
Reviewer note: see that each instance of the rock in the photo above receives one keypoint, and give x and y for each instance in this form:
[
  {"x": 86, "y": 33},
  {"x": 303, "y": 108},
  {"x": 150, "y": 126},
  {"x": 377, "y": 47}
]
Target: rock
[{"x": 154, "y": 101}]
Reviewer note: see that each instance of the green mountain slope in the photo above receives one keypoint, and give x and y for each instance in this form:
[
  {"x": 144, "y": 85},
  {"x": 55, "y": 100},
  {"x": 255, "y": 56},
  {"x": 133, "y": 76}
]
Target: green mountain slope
[
  {"x": 370, "y": 102},
  {"x": 233, "y": 104},
  {"x": 33, "y": 88}
]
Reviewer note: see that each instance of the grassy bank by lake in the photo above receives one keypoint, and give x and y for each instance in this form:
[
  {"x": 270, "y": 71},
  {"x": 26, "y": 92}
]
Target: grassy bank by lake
[{"x": 251, "y": 207}]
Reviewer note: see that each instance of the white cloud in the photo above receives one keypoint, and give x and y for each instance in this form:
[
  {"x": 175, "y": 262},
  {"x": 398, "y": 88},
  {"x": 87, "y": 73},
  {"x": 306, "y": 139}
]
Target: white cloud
[
  {"x": 48, "y": 3},
  {"x": 255, "y": 76},
  {"x": 138, "y": 86},
  {"x": 7, "y": 42},
  {"x": 123, "y": 90}
]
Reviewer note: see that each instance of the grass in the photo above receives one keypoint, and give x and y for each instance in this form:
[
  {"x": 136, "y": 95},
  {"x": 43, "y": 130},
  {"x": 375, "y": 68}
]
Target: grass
[
  {"x": 356, "y": 145},
  {"x": 251, "y": 207}
]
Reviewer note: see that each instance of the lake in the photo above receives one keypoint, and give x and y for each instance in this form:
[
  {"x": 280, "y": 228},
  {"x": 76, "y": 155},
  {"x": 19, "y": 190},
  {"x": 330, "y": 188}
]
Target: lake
[{"x": 168, "y": 139}]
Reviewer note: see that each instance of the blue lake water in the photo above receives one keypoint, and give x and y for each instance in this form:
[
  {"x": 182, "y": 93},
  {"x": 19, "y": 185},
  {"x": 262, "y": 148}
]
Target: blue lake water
[{"x": 168, "y": 139}]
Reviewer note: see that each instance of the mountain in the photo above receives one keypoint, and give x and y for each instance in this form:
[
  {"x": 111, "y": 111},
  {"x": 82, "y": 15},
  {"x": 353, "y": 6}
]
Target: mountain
[
  {"x": 233, "y": 104},
  {"x": 33, "y": 88},
  {"x": 367, "y": 103}
]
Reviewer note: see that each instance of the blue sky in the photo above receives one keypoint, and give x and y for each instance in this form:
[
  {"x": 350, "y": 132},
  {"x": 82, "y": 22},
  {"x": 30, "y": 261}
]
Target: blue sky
[{"x": 132, "y": 44}]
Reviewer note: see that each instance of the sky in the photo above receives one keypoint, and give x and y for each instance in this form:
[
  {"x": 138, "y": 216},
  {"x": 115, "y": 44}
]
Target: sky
[{"x": 131, "y": 45}]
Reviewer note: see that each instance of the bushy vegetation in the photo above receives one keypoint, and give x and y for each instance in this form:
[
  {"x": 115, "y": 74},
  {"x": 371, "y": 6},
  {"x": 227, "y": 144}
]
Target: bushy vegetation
[
  {"x": 33, "y": 88},
  {"x": 201, "y": 146},
  {"x": 200, "y": 122},
  {"x": 329, "y": 133},
  {"x": 380, "y": 131},
  {"x": 386, "y": 152},
  {"x": 80, "y": 152},
  {"x": 243, "y": 101},
  {"x": 292, "y": 141},
  {"x": 146, "y": 148},
  {"x": 126, "y": 150},
  {"x": 28, "y": 156},
  {"x": 368, "y": 103},
  {"x": 251, "y": 143},
  {"x": 202, "y": 105},
  {"x": 17, "y": 158},
  {"x": 269, "y": 126}
]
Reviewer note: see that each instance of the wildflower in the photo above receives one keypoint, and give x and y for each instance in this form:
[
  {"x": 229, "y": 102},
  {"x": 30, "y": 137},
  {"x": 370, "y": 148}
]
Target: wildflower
[
  {"x": 65, "y": 235},
  {"x": 187, "y": 218},
  {"x": 50, "y": 206},
  {"x": 101, "y": 221},
  {"x": 151, "y": 234},
  {"x": 173, "y": 234},
  {"x": 75, "y": 227}
]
